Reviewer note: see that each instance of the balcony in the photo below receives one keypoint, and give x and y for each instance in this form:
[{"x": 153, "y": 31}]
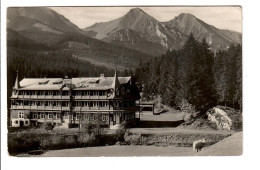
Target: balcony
[
  {"x": 42, "y": 97},
  {"x": 34, "y": 107},
  {"x": 91, "y": 97},
  {"x": 56, "y": 97}
]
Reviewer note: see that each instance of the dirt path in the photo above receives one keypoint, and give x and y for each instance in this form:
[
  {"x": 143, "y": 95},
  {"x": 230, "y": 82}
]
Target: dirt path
[{"x": 176, "y": 130}]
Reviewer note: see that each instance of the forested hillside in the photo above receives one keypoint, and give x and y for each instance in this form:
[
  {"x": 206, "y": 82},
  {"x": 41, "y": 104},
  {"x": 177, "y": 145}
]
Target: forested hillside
[{"x": 194, "y": 76}]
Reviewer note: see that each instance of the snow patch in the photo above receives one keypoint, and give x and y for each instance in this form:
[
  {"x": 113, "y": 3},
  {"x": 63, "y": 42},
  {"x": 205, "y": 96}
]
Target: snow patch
[
  {"x": 162, "y": 36},
  {"x": 210, "y": 41}
]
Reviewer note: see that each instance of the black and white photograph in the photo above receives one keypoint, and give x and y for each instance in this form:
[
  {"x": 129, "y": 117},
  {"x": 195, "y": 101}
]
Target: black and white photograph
[{"x": 124, "y": 81}]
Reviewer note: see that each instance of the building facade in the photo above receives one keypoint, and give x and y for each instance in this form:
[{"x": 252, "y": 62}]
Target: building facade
[{"x": 73, "y": 102}]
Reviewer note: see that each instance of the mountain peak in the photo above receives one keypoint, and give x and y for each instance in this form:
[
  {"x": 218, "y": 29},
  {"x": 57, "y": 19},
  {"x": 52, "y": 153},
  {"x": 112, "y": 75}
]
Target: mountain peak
[
  {"x": 186, "y": 16},
  {"x": 136, "y": 10}
]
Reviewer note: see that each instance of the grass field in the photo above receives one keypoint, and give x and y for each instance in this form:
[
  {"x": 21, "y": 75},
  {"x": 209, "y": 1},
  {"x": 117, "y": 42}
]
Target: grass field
[
  {"x": 116, "y": 151},
  {"x": 231, "y": 146},
  {"x": 171, "y": 115}
]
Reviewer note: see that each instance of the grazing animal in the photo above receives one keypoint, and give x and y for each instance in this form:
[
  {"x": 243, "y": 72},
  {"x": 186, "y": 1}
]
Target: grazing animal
[{"x": 197, "y": 145}]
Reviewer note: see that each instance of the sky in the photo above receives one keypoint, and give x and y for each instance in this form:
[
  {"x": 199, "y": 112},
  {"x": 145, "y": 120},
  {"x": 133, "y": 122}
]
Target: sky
[{"x": 228, "y": 17}]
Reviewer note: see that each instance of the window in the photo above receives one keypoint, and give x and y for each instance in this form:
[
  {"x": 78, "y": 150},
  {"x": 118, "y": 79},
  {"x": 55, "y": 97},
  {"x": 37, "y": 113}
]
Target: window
[
  {"x": 27, "y": 92},
  {"x": 78, "y": 103},
  {"x": 39, "y": 115},
  {"x": 42, "y": 115},
  {"x": 50, "y": 116},
  {"x": 26, "y": 122},
  {"x": 66, "y": 115},
  {"x": 105, "y": 117},
  {"x": 34, "y": 115},
  {"x": 65, "y": 93},
  {"x": 94, "y": 117},
  {"x": 101, "y": 93},
  {"x": 85, "y": 93},
  {"x": 26, "y": 103},
  {"x": 71, "y": 116},
  {"x": 21, "y": 115},
  {"x": 85, "y": 103},
  {"x": 16, "y": 122},
  {"x": 58, "y": 116},
  {"x": 86, "y": 116},
  {"x": 77, "y": 116}
]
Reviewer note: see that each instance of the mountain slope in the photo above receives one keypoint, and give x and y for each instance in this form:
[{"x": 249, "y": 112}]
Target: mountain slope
[
  {"x": 216, "y": 38},
  {"x": 136, "y": 29},
  {"x": 41, "y": 18},
  {"x": 140, "y": 31},
  {"x": 37, "y": 28}
]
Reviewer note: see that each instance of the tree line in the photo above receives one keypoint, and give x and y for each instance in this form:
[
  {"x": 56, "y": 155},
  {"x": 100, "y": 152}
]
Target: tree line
[{"x": 194, "y": 75}]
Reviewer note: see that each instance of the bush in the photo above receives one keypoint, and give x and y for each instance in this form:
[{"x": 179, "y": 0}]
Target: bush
[
  {"x": 120, "y": 134},
  {"x": 23, "y": 142},
  {"x": 96, "y": 127},
  {"x": 133, "y": 139},
  {"x": 187, "y": 117},
  {"x": 48, "y": 126},
  {"x": 121, "y": 131},
  {"x": 187, "y": 107}
]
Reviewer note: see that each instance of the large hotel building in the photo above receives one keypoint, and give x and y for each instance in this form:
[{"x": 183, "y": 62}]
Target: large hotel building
[{"x": 75, "y": 101}]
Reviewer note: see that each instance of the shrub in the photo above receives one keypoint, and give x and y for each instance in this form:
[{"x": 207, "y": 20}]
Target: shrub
[
  {"x": 120, "y": 134},
  {"x": 96, "y": 127},
  {"x": 133, "y": 139},
  {"x": 187, "y": 107},
  {"x": 187, "y": 117},
  {"x": 121, "y": 131},
  {"x": 48, "y": 126},
  {"x": 23, "y": 142}
]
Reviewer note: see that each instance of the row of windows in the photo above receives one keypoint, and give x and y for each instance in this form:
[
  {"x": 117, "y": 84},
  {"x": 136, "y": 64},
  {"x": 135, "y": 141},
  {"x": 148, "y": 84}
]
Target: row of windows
[
  {"x": 45, "y": 115},
  {"x": 16, "y": 122},
  {"x": 64, "y": 93},
  {"x": 75, "y": 103},
  {"x": 35, "y": 115}
]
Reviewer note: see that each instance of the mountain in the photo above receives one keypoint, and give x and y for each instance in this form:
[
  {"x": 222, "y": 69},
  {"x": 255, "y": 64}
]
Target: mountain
[
  {"x": 40, "y": 24},
  {"x": 37, "y": 28},
  {"x": 140, "y": 31},
  {"x": 216, "y": 38}
]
